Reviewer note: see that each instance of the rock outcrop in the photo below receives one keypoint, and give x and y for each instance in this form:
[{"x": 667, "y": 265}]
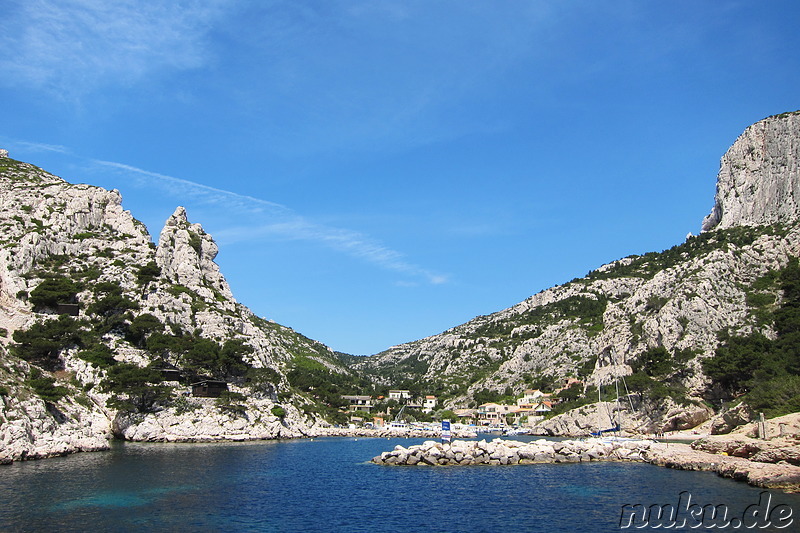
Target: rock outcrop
[
  {"x": 730, "y": 419},
  {"x": 33, "y": 429},
  {"x": 588, "y": 419},
  {"x": 51, "y": 229},
  {"x": 759, "y": 177},
  {"x": 208, "y": 423},
  {"x": 766, "y": 475},
  {"x": 186, "y": 255}
]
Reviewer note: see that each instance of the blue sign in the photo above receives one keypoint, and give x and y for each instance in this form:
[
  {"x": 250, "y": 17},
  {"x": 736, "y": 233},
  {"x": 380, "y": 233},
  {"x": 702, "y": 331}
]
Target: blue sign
[{"x": 445, "y": 431}]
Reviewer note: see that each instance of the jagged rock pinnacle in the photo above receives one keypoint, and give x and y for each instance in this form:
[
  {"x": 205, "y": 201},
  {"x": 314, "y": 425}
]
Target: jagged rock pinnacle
[{"x": 186, "y": 255}]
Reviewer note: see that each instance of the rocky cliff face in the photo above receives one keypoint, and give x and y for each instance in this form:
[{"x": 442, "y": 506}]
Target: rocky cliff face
[
  {"x": 759, "y": 177},
  {"x": 51, "y": 229},
  {"x": 597, "y": 327},
  {"x": 169, "y": 305}
]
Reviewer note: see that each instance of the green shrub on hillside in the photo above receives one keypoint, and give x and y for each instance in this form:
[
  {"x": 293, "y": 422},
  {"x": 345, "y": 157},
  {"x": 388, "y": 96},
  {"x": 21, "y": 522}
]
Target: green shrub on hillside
[
  {"x": 587, "y": 310},
  {"x": 776, "y": 397},
  {"x": 134, "y": 388},
  {"x": 98, "y": 355},
  {"x": 53, "y": 291},
  {"x": 43, "y": 342},
  {"x": 45, "y": 387},
  {"x": 648, "y": 265},
  {"x": 141, "y": 327},
  {"x": 231, "y": 402},
  {"x": 574, "y": 397},
  {"x": 196, "y": 242},
  {"x": 111, "y": 301},
  {"x": 766, "y": 371},
  {"x": 147, "y": 273}
]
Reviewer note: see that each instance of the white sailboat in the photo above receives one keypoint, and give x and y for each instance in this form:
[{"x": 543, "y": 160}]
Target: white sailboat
[{"x": 612, "y": 433}]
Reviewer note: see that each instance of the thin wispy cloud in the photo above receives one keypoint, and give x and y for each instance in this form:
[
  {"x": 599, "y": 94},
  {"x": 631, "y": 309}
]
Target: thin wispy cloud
[
  {"x": 73, "y": 46},
  {"x": 204, "y": 193},
  {"x": 41, "y": 147},
  {"x": 273, "y": 220}
]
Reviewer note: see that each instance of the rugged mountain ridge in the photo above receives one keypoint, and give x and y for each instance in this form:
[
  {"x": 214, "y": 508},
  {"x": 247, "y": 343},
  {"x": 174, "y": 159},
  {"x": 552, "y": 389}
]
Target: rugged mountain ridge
[
  {"x": 79, "y": 239},
  {"x": 597, "y": 327}
]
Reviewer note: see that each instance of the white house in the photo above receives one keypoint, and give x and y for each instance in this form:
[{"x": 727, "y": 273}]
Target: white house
[
  {"x": 399, "y": 395},
  {"x": 429, "y": 404},
  {"x": 530, "y": 397}
]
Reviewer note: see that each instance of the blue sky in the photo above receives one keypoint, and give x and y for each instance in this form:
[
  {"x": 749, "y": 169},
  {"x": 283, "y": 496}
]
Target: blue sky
[{"x": 376, "y": 172}]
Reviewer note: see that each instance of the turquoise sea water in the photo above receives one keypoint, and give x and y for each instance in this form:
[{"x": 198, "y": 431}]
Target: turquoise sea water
[{"x": 330, "y": 485}]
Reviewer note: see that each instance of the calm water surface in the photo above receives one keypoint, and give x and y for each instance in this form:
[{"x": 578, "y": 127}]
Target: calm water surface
[{"x": 330, "y": 485}]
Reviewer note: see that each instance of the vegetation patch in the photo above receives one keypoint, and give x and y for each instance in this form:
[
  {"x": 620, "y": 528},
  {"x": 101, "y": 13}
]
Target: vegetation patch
[
  {"x": 765, "y": 371},
  {"x": 53, "y": 291},
  {"x": 657, "y": 374},
  {"x": 587, "y": 310},
  {"x": 45, "y": 387},
  {"x": 43, "y": 342},
  {"x": 648, "y": 265},
  {"x": 147, "y": 273},
  {"x": 134, "y": 389}
]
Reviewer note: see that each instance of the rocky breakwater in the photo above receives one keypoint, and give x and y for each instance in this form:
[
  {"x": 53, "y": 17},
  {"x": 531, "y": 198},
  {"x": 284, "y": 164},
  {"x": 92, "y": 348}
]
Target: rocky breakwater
[
  {"x": 386, "y": 433},
  {"x": 511, "y": 452}
]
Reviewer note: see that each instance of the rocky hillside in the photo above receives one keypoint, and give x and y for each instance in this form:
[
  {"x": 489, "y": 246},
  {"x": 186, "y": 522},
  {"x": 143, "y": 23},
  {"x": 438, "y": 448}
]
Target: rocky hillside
[
  {"x": 89, "y": 306},
  {"x": 658, "y": 315},
  {"x": 102, "y": 330}
]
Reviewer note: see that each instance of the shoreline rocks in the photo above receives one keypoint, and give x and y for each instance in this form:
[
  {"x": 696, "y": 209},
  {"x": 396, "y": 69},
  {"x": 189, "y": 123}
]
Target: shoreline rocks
[
  {"x": 385, "y": 433},
  {"x": 33, "y": 429},
  {"x": 777, "y": 474},
  {"x": 780, "y": 475},
  {"x": 508, "y": 452}
]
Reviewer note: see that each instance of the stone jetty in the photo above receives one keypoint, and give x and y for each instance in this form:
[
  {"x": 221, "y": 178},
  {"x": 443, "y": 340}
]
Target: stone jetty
[
  {"x": 404, "y": 433},
  {"x": 773, "y": 471},
  {"x": 508, "y": 452}
]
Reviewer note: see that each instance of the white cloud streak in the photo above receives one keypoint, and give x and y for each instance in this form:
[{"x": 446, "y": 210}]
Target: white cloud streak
[
  {"x": 204, "y": 193},
  {"x": 272, "y": 220},
  {"x": 41, "y": 147}
]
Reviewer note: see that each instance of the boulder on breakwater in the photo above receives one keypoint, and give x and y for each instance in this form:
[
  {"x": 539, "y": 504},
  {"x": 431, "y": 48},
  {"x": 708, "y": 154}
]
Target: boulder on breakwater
[{"x": 507, "y": 452}]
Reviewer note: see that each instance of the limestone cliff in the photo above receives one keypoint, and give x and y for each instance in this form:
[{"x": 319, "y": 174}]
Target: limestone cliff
[
  {"x": 80, "y": 241},
  {"x": 67, "y": 248},
  {"x": 759, "y": 177},
  {"x": 597, "y": 327}
]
